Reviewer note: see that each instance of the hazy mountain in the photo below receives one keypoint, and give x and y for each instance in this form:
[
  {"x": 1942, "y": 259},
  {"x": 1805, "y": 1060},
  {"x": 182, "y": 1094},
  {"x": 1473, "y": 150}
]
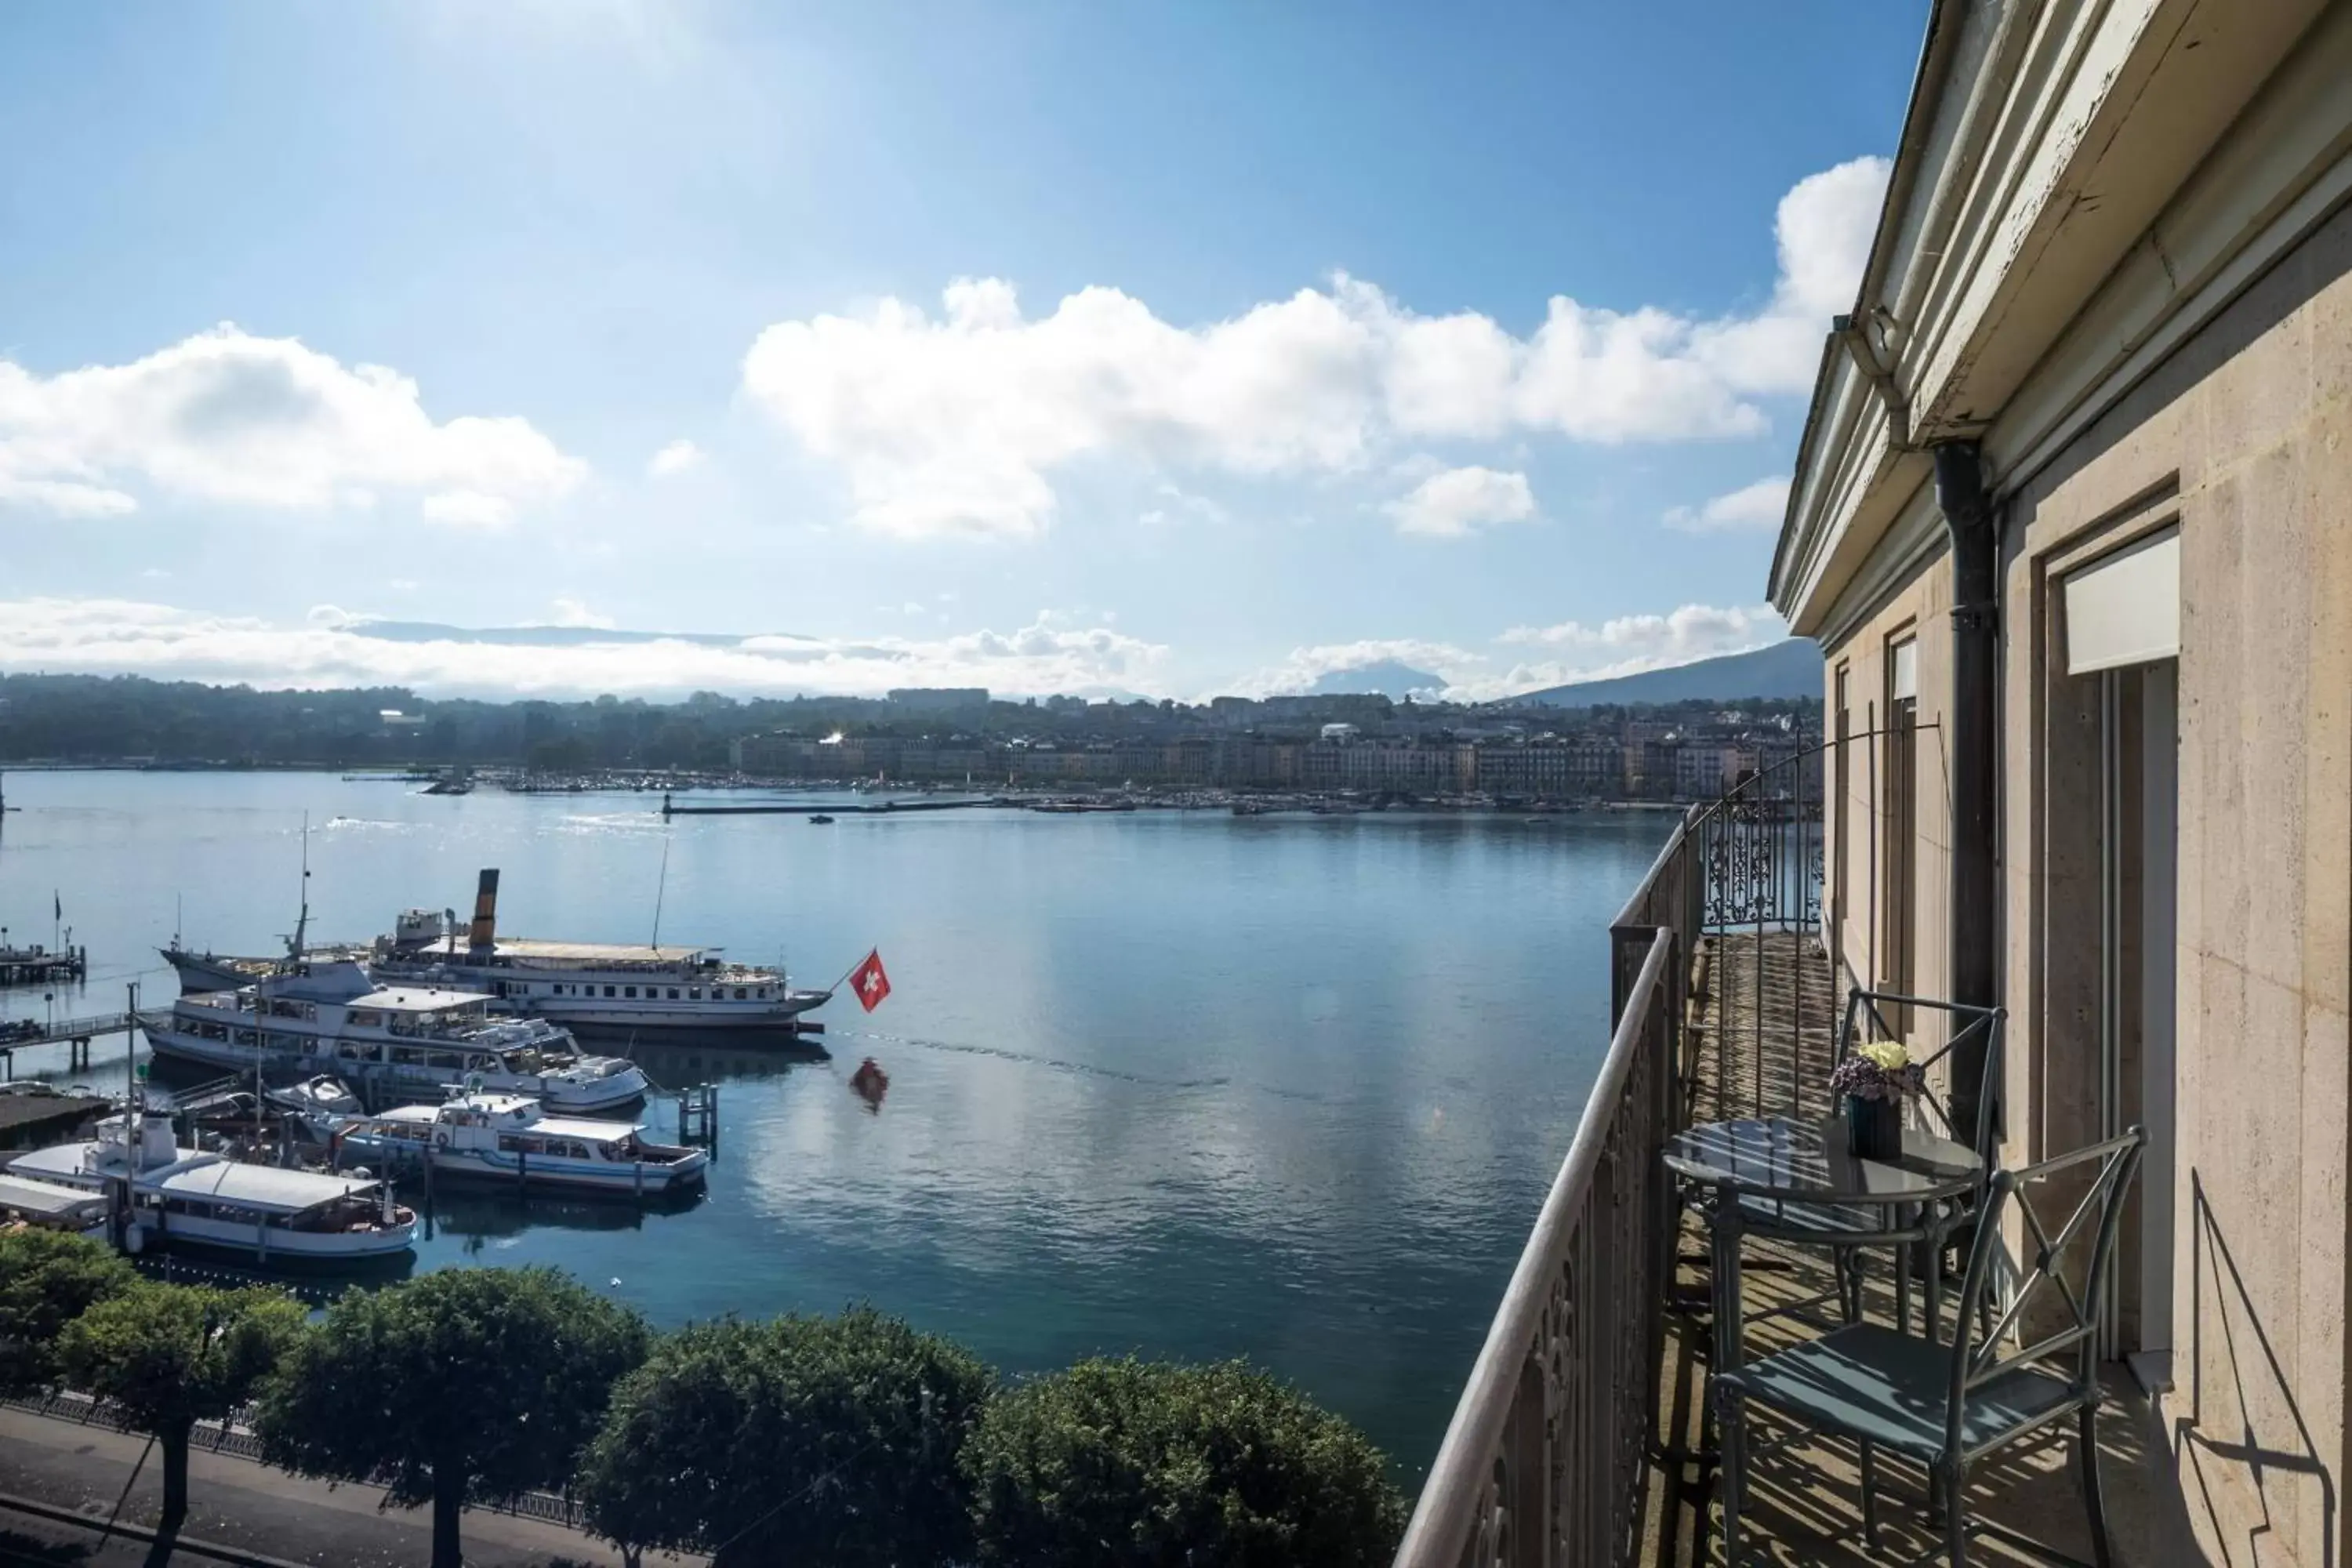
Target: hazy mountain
[
  {"x": 1385, "y": 677},
  {"x": 1790, "y": 669}
]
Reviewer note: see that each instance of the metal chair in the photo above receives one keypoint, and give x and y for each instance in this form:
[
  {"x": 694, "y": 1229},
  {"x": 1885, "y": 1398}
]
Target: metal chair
[{"x": 1947, "y": 1407}]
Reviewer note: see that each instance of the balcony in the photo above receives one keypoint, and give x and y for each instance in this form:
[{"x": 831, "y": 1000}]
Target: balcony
[{"x": 1556, "y": 1457}]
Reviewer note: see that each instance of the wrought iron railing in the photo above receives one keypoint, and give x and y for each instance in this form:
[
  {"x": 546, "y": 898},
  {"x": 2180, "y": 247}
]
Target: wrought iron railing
[{"x": 1544, "y": 1464}]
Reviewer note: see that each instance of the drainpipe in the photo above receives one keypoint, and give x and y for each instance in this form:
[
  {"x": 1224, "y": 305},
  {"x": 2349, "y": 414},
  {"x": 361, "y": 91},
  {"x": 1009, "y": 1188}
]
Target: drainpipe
[{"x": 1975, "y": 746}]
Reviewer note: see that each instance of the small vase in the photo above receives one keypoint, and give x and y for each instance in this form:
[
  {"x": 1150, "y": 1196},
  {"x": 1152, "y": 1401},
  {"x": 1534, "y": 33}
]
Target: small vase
[{"x": 1874, "y": 1128}]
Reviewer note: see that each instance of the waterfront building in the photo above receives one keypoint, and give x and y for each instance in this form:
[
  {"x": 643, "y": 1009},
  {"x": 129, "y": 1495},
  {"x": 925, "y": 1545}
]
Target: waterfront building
[{"x": 2072, "y": 521}]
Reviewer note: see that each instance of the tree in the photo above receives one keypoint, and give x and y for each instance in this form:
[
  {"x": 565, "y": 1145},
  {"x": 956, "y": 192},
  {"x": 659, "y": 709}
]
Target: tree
[
  {"x": 803, "y": 1439},
  {"x": 1149, "y": 1465},
  {"x": 173, "y": 1356},
  {"x": 47, "y": 1280},
  {"x": 467, "y": 1382}
]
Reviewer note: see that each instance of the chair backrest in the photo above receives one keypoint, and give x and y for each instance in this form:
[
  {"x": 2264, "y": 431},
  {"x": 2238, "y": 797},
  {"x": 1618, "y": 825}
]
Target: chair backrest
[
  {"x": 2064, "y": 1264},
  {"x": 1974, "y": 1037}
]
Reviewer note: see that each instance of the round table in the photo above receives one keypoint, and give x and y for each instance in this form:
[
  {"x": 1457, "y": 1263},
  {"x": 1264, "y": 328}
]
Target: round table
[{"x": 1791, "y": 1179}]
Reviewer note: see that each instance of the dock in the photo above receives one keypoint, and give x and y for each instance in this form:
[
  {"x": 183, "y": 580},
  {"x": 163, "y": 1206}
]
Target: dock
[
  {"x": 40, "y": 966},
  {"x": 34, "y": 1116},
  {"x": 803, "y": 808},
  {"x": 76, "y": 1033}
]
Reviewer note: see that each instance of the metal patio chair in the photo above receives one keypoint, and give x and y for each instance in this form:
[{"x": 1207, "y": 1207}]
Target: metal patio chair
[{"x": 1945, "y": 1407}]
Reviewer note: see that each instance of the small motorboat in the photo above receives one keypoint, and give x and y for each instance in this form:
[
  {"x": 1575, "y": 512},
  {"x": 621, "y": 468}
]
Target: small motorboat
[
  {"x": 316, "y": 1105},
  {"x": 822, "y": 820}
]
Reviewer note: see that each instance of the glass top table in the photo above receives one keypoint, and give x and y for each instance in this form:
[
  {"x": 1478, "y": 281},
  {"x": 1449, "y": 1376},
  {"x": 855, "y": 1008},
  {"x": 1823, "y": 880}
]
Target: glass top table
[{"x": 1791, "y": 1179}]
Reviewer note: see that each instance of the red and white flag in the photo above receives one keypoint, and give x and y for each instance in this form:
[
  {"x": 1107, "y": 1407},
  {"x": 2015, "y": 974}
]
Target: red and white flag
[{"x": 869, "y": 981}]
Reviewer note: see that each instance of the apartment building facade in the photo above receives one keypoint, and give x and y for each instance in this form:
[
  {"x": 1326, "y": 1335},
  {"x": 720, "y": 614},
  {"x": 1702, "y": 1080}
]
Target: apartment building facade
[{"x": 2073, "y": 523}]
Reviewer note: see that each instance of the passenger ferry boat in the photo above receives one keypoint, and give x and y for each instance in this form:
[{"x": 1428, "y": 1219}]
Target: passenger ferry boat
[
  {"x": 509, "y": 1138},
  {"x": 187, "y": 1196},
  {"x": 399, "y": 1041},
  {"x": 607, "y": 988}
]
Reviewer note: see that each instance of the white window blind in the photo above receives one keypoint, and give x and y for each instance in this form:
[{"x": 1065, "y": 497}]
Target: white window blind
[
  {"x": 1906, "y": 669},
  {"x": 2124, "y": 608}
]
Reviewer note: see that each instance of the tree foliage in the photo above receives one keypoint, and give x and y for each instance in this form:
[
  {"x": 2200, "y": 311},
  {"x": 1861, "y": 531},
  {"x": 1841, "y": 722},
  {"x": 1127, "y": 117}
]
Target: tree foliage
[
  {"x": 173, "y": 1356},
  {"x": 1129, "y": 1464},
  {"x": 810, "y": 1439},
  {"x": 476, "y": 1382},
  {"x": 47, "y": 1280}
]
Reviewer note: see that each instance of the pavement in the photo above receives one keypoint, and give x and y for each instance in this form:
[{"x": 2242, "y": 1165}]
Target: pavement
[{"x": 61, "y": 1482}]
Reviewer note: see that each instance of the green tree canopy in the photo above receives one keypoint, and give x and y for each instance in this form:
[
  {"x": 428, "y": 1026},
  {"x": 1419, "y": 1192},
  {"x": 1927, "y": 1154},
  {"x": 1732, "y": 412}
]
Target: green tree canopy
[
  {"x": 47, "y": 1280},
  {"x": 173, "y": 1356},
  {"x": 814, "y": 1439},
  {"x": 1129, "y": 1464},
  {"x": 465, "y": 1383}
]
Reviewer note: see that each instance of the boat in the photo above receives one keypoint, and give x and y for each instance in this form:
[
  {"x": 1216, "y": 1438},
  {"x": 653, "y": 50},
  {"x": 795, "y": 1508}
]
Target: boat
[
  {"x": 609, "y": 988},
  {"x": 822, "y": 820},
  {"x": 510, "y": 1138},
  {"x": 316, "y": 1105},
  {"x": 400, "y": 1041},
  {"x": 191, "y": 1197}
]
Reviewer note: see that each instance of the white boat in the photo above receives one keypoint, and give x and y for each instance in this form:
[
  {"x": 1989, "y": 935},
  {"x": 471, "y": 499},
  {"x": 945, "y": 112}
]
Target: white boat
[
  {"x": 187, "y": 1196},
  {"x": 608, "y": 987},
  {"x": 396, "y": 1041},
  {"x": 510, "y": 1138}
]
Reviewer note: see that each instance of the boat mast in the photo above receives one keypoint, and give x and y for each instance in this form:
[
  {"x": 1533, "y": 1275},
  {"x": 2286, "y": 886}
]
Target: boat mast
[{"x": 659, "y": 889}]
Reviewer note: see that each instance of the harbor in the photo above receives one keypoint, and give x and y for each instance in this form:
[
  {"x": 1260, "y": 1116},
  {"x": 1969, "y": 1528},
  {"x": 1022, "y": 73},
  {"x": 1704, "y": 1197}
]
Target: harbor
[{"x": 1117, "y": 1042}]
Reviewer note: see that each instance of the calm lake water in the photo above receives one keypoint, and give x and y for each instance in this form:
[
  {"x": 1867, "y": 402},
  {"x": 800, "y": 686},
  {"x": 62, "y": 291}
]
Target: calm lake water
[{"x": 1176, "y": 1083}]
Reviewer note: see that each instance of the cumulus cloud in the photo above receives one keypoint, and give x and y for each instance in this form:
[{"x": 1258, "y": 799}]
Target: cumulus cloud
[
  {"x": 1460, "y": 501},
  {"x": 675, "y": 458},
  {"x": 332, "y": 648},
  {"x": 1306, "y": 666},
  {"x": 959, "y": 423},
  {"x": 568, "y": 612},
  {"x": 224, "y": 417},
  {"x": 1755, "y": 508}
]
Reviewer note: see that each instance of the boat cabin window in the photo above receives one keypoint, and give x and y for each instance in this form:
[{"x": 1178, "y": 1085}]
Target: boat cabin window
[
  {"x": 407, "y": 1056},
  {"x": 694, "y": 992},
  {"x": 245, "y": 1036},
  {"x": 628, "y": 990},
  {"x": 352, "y": 1051},
  {"x": 366, "y": 1018},
  {"x": 738, "y": 994},
  {"x": 673, "y": 993},
  {"x": 608, "y": 991},
  {"x": 451, "y": 1060}
]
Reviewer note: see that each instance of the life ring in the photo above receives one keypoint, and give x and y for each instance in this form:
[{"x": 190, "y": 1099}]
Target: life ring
[{"x": 441, "y": 1137}]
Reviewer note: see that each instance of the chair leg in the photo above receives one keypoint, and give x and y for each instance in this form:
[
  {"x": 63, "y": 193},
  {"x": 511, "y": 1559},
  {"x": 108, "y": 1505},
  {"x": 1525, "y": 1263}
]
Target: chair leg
[
  {"x": 2102, "y": 1553},
  {"x": 1953, "y": 1483},
  {"x": 1870, "y": 1496},
  {"x": 1731, "y": 1433}
]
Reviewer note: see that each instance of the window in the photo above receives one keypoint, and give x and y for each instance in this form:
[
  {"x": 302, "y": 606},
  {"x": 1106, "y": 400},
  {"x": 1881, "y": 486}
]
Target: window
[
  {"x": 673, "y": 993},
  {"x": 694, "y": 992},
  {"x": 1902, "y": 817},
  {"x": 629, "y": 991},
  {"x": 738, "y": 994},
  {"x": 608, "y": 991}
]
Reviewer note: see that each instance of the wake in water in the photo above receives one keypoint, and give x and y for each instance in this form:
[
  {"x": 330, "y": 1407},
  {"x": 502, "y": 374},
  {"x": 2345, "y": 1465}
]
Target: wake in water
[{"x": 1031, "y": 1058}]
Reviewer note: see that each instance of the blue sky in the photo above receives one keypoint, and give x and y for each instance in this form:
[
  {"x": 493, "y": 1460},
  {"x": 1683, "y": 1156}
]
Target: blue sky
[{"x": 1174, "y": 348}]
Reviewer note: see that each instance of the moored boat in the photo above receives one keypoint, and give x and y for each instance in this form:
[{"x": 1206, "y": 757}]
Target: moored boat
[
  {"x": 191, "y": 1197},
  {"x": 510, "y": 1138},
  {"x": 396, "y": 1041}
]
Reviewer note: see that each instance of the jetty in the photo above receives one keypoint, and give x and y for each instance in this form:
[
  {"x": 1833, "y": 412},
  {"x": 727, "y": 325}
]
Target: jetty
[
  {"x": 41, "y": 965},
  {"x": 799, "y": 808}
]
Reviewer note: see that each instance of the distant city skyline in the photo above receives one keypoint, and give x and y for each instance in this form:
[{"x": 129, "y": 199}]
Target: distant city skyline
[{"x": 1051, "y": 349}]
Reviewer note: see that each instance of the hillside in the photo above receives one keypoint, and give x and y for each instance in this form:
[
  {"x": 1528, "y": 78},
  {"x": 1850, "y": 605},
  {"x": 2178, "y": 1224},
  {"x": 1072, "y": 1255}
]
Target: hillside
[{"x": 1785, "y": 670}]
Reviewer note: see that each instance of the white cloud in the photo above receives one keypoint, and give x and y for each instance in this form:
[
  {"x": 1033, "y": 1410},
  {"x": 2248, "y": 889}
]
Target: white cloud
[
  {"x": 1757, "y": 508},
  {"x": 124, "y": 636},
  {"x": 1629, "y": 644},
  {"x": 1306, "y": 666},
  {"x": 569, "y": 612},
  {"x": 1459, "y": 502},
  {"x": 675, "y": 458},
  {"x": 226, "y": 417},
  {"x": 959, "y": 423}
]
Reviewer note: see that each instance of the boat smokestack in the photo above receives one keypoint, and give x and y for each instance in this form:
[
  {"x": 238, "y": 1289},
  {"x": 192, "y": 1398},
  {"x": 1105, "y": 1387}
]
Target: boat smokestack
[{"x": 485, "y": 934}]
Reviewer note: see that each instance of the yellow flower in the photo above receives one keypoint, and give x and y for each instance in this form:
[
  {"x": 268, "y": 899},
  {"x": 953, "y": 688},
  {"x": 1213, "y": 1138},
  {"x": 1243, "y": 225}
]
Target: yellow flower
[{"x": 1886, "y": 1054}]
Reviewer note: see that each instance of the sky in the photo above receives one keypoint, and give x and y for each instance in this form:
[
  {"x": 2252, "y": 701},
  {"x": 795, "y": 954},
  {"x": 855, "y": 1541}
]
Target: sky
[{"x": 1170, "y": 349}]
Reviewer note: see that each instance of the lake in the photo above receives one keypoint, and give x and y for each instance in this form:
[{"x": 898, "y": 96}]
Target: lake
[{"x": 1180, "y": 1084}]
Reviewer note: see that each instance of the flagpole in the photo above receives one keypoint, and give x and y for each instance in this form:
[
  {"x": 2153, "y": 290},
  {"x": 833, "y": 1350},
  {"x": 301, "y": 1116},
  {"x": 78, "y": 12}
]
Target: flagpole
[{"x": 850, "y": 971}]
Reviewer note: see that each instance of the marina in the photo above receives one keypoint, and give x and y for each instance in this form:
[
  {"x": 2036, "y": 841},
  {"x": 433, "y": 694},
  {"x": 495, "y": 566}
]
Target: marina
[
  {"x": 511, "y": 1140},
  {"x": 1118, "y": 1043}
]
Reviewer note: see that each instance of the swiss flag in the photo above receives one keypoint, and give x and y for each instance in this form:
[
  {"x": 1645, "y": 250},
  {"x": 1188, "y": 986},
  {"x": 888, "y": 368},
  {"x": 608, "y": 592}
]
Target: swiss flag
[{"x": 869, "y": 981}]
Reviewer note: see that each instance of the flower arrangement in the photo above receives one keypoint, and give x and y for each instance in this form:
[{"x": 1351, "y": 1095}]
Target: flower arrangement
[{"x": 1882, "y": 1070}]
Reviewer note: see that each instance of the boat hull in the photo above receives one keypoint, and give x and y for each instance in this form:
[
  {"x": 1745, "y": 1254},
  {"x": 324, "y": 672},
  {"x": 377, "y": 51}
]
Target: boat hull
[{"x": 551, "y": 1171}]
